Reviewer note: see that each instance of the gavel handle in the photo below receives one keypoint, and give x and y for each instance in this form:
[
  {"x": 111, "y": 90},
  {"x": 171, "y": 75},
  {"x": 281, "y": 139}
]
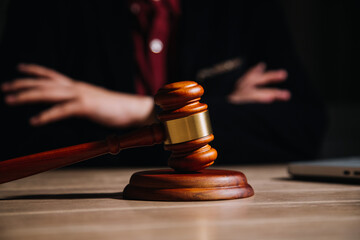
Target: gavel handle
[{"x": 21, "y": 167}]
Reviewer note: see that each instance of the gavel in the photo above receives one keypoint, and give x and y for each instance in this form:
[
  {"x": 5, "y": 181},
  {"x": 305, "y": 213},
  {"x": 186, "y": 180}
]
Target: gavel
[{"x": 185, "y": 130}]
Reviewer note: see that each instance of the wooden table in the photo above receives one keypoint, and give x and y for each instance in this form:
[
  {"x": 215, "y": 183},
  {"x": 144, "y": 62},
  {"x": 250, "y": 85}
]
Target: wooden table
[{"x": 87, "y": 204}]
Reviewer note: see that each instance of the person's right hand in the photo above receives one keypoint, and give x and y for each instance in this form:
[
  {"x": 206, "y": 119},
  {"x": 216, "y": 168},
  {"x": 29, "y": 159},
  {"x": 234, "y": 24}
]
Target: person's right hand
[
  {"x": 72, "y": 98},
  {"x": 250, "y": 88}
]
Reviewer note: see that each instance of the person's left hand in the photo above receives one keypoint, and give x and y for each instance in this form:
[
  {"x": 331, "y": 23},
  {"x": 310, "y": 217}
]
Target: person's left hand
[
  {"x": 251, "y": 87},
  {"x": 72, "y": 98}
]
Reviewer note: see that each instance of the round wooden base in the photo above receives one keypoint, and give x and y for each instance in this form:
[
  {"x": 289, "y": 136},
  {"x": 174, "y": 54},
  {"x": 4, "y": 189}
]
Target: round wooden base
[{"x": 168, "y": 185}]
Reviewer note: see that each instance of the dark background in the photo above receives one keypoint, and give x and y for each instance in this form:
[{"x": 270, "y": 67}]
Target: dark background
[{"x": 326, "y": 37}]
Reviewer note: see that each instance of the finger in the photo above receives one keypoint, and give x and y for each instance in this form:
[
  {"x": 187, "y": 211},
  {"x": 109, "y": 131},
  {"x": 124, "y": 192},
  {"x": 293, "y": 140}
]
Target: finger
[
  {"x": 24, "y": 83},
  {"x": 272, "y": 77},
  {"x": 40, "y": 71},
  {"x": 251, "y": 75},
  {"x": 38, "y": 95},
  {"x": 260, "y": 67},
  {"x": 266, "y": 95},
  {"x": 269, "y": 95},
  {"x": 56, "y": 113}
]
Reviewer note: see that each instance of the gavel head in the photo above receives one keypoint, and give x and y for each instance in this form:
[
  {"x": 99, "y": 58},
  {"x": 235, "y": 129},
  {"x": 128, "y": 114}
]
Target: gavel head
[{"x": 187, "y": 126}]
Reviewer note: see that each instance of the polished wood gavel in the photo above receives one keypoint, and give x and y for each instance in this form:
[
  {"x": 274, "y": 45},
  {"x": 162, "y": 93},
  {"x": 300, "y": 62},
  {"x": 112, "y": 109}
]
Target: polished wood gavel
[{"x": 184, "y": 128}]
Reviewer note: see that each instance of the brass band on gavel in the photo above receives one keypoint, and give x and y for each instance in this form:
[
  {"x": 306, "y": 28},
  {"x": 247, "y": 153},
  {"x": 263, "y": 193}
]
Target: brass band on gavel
[{"x": 188, "y": 128}]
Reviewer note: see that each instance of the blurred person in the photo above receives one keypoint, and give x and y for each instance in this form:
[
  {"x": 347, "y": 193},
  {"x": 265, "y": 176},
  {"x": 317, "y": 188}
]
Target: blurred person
[{"x": 78, "y": 71}]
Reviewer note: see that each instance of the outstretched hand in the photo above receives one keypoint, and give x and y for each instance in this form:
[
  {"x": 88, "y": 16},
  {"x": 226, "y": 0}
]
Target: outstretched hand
[
  {"x": 72, "y": 98},
  {"x": 249, "y": 88}
]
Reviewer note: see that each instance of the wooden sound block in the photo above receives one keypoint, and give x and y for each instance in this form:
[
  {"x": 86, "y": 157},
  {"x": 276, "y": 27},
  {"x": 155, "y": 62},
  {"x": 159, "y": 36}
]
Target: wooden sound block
[{"x": 168, "y": 185}]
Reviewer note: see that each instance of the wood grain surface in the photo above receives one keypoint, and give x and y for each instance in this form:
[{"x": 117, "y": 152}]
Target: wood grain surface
[{"x": 88, "y": 204}]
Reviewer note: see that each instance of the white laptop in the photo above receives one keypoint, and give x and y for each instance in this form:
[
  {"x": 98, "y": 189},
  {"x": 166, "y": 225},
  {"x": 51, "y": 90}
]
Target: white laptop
[{"x": 330, "y": 169}]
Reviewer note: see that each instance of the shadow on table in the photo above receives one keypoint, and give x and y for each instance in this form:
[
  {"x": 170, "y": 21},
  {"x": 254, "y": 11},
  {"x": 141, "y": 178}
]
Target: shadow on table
[{"x": 118, "y": 195}]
